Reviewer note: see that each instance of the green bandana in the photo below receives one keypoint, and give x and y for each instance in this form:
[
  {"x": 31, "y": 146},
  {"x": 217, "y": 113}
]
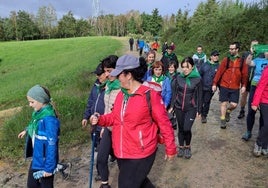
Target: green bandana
[
  {"x": 193, "y": 74},
  {"x": 233, "y": 57},
  {"x": 100, "y": 86},
  {"x": 159, "y": 79},
  {"x": 169, "y": 56},
  {"x": 200, "y": 56},
  {"x": 170, "y": 76},
  {"x": 36, "y": 116},
  {"x": 112, "y": 85},
  {"x": 126, "y": 94}
]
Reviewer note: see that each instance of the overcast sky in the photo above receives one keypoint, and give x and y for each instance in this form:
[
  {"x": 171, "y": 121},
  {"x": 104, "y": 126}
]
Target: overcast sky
[{"x": 83, "y": 8}]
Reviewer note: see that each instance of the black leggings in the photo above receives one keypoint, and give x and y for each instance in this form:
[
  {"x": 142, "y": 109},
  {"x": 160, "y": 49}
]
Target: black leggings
[
  {"x": 185, "y": 121},
  {"x": 104, "y": 150},
  {"x": 133, "y": 172},
  {"x": 46, "y": 182}
]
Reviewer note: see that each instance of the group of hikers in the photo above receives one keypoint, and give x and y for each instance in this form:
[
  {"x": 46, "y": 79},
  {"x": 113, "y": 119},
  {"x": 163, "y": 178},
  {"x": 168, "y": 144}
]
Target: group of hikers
[{"x": 137, "y": 103}]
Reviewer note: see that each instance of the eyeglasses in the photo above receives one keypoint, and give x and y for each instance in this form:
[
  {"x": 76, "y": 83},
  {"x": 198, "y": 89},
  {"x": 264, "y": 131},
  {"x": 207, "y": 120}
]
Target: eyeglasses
[
  {"x": 232, "y": 48},
  {"x": 216, "y": 55}
]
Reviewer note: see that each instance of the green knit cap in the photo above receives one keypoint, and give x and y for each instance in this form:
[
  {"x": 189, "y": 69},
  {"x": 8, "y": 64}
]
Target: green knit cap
[{"x": 38, "y": 94}]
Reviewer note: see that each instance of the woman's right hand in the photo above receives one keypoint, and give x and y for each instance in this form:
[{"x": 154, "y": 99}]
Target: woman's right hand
[
  {"x": 21, "y": 134},
  {"x": 94, "y": 119}
]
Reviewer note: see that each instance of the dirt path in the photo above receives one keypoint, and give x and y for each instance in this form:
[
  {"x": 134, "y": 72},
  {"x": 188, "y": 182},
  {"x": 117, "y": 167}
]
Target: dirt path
[{"x": 220, "y": 159}]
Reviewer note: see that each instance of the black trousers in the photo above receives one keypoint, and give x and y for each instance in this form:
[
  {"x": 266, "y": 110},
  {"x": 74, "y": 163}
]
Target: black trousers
[
  {"x": 185, "y": 121},
  {"x": 206, "y": 98},
  {"x": 46, "y": 182},
  {"x": 262, "y": 139},
  {"x": 133, "y": 172},
  {"x": 104, "y": 150}
]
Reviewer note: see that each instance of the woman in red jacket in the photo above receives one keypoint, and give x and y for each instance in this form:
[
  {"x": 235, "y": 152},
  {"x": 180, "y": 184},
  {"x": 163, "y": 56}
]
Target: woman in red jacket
[
  {"x": 260, "y": 100},
  {"x": 134, "y": 135}
]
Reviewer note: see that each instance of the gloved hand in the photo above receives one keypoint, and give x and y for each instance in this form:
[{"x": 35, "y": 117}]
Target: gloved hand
[{"x": 39, "y": 174}]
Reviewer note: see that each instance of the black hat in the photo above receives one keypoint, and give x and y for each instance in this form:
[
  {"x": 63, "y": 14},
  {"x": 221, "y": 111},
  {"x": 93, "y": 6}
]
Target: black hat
[
  {"x": 214, "y": 52},
  {"x": 99, "y": 70}
]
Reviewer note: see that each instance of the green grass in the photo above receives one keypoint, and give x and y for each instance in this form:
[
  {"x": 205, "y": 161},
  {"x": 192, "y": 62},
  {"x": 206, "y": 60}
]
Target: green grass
[{"x": 64, "y": 66}]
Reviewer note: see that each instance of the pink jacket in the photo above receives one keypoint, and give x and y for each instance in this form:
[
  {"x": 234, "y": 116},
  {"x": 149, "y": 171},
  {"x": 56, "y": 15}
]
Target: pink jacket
[
  {"x": 134, "y": 135},
  {"x": 261, "y": 93}
]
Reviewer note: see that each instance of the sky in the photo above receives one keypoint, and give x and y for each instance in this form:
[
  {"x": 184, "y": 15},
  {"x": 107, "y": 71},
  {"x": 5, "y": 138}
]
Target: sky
[{"x": 83, "y": 8}]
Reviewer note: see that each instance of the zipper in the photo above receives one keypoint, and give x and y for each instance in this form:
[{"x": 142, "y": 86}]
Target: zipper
[{"x": 183, "y": 97}]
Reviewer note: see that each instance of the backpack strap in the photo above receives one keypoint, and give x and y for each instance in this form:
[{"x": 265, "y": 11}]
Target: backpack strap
[{"x": 148, "y": 99}]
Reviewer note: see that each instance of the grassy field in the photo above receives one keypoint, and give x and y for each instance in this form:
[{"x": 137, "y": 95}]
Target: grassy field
[{"x": 64, "y": 66}]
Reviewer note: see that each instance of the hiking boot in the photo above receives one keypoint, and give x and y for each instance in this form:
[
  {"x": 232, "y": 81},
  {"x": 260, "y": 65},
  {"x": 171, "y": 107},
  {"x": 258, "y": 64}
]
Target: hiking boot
[
  {"x": 112, "y": 158},
  {"x": 187, "y": 153},
  {"x": 257, "y": 150},
  {"x": 65, "y": 169},
  {"x": 227, "y": 115},
  {"x": 223, "y": 123},
  {"x": 241, "y": 114},
  {"x": 97, "y": 178},
  {"x": 246, "y": 136},
  {"x": 204, "y": 119},
  {"x": 181, "y": 152},
  {"x": 264, "y": 152},
  {"x": 105, "y": 186}
]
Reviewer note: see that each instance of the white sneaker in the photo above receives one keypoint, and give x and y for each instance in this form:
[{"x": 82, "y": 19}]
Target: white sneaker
[{"x": 257, "y": 150}]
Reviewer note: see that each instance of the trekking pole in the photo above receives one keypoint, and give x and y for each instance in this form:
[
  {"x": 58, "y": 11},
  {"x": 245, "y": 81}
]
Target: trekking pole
[{"x": 92, "y": 158}]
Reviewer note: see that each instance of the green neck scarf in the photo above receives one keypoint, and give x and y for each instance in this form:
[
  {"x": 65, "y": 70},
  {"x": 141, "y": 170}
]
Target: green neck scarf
[
  {"x": 193, "y": 74},
  {"x": 126, "y": 94},
  {"x": 100, "y": 86},
  {"x": 200, "y": 56},
  {"x": 169, "y": 56},
  {"x": 159, "y": 79},
  {"x": 213, "y": 63},
  {"x": 37, "y": 115},
  {"x": 112, "y": 85},
  {"x": 233, "y": 57},
  {"x": 170, "y": 76}
]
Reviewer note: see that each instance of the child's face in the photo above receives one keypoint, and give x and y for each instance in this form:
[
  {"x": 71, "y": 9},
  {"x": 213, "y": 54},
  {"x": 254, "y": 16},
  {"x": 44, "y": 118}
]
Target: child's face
[
  {"x": 34, "y": 104},
  {"x": 171, "y": 69},
  {"x": 158, "y": 71}
]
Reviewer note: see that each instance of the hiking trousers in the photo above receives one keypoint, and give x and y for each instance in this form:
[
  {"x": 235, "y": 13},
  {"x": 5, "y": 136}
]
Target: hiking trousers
[
  {"x": 133, "y": 172},
  {"x": 262, "y": 139}
]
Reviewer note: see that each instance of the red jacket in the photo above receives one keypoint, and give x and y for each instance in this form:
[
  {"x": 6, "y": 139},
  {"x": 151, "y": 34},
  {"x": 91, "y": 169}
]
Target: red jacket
[
  {"x": 261, "y": 92},
  {"x": 232, "y": 77},
  {"x": 134, "y": 136}
]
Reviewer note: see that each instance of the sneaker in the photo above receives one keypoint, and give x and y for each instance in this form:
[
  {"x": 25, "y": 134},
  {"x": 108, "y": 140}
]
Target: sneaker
[
  {"x": 204, "y": 119},
  {"x": 241, "y": 114},
  {"x": 112, "y": 158},
  {"x": 97, "y": 178},
  {"x": 187, "y": 153},
  {"x": 181, "y": 152},
  {"x": 246, "y": 136},
  {"x": 105, "y": 186},
  {"x": 257, "y": 150},
  {"x": 264, "y": 152},
  {"x": 227, "y": 115},
  {"x": 223, "y": 123},
  {"x": 65, "y": 169}
]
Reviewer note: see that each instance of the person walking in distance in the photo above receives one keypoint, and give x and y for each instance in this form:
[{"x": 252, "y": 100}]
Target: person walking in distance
[
  {"x": 232, "y": 74},
  {"x": 207, "y": 72}
]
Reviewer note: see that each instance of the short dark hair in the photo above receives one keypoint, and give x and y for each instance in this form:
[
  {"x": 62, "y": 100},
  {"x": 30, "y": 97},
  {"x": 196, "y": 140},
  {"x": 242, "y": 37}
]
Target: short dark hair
[
  {"x": 188, "y": 60},
  {"x": 237, "y": 44},
  {"x": 110, "y": 61}
]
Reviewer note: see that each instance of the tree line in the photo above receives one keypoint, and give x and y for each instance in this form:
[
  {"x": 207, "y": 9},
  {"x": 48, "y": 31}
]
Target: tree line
[{"x": 213, "y": 24}]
